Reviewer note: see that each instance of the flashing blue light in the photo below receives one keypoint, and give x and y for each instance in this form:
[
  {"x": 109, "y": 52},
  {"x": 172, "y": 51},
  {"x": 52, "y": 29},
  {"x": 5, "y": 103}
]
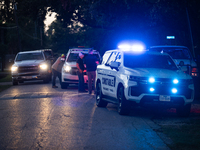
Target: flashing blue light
[
  {"x": 151, "y": 89},
  {"x": 127, "y": 47},
  {"x": 174, "y": 90},
  {"x": 151, "y": 80},
  {"x": 175, "y": 81}
]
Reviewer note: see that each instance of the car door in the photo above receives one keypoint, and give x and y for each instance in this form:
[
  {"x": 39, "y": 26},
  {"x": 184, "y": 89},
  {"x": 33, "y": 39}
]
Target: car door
[{"x": 109, "y": 80}]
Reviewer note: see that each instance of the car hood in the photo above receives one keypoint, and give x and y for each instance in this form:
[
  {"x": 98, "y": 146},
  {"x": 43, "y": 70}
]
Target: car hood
[
  {"x": 28, "y": 63},
  {"x": 158, "y": 73},
  {"x": 71, "y": 64}
]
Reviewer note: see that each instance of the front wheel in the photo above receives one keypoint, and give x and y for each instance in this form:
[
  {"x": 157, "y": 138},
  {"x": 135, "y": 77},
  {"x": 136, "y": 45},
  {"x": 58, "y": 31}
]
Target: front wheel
[
  {"x": 14, "y": 82},
  {"x": 99, "y": 95},
  {"x": 123, "y": 104},
  {"x": 183, "y": 111}
]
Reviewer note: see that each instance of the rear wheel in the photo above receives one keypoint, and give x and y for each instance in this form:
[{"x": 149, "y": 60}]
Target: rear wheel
[
  {"x": 14, "y": 82},
  {"x": 123, "y": 104},
  {"x": 99, "y": 95},
  {"x": 183, "y": 111},
  {"x": 64, "y": 85}
]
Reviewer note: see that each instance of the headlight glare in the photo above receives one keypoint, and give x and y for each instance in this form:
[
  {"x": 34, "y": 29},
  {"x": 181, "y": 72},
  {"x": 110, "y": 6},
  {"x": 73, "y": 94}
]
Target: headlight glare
[
  {"x": 43, "y": 66},
  {"x": 14, "y": 68},
  {"x": 151, "y": 80},
  {"x": 174, "y": 90},
  {"x": 67, "y": 68},
  {"x": 175, "y": 81}
]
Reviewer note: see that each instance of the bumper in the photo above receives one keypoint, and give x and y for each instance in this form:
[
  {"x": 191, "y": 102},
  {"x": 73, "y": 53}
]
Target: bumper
[
  {"x": 162, "y": 96},
  {"x": 30, "y": 76},
  {"x": 72, "y": 79}
]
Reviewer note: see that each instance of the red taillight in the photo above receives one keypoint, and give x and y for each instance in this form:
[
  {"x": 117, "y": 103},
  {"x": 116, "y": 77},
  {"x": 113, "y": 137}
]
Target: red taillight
[
  {"x": 195, "y": 72},
  {"x": 194, "y": 69}
]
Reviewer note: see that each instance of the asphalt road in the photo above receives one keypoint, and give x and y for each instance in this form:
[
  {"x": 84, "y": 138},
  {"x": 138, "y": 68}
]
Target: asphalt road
[{"x": 35, "y": 116}]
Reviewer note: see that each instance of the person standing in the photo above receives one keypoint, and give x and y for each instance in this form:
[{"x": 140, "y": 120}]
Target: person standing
[
  {"x": 56, "y": 70},
  {"x": 80, "y": 72},
  {"x": 91, "y": 67}
]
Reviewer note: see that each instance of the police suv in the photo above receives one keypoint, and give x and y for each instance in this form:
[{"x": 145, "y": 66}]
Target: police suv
[
  {"x": 135, "y": 77},
  {"x": 69, "y": 69}
]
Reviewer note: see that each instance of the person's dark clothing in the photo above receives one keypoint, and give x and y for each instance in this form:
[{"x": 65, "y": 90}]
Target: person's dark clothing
[
  {"x": 80, "y": 62},
  {"x": 81, "y": 86},
  {"x": 91, "y": 67},
  {"x": 55, "y": 74},
  {"x": 90, "y": 61}
]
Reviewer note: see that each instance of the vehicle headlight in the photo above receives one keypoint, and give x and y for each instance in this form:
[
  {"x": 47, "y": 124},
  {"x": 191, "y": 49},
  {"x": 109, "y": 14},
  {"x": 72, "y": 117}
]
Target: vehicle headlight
[
  {"x": 43, "y": 66},
  {"x": 175, "y": 81},
  {"x": 14, "y": 68},
  {"x": 151, "y": 79},
  {"x": 67, "y": 68}
]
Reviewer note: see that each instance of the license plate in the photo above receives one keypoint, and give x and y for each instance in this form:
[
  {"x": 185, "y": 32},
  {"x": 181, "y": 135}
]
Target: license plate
[
  {"x": 27, "y": 77},
  {"x": 164, "y": 98}
]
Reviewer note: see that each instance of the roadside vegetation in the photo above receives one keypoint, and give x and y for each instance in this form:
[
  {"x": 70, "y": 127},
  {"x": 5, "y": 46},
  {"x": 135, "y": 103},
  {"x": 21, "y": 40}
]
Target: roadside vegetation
[
  {"x": 6, "y": 78},
  {"x": 185, "y": 136}
]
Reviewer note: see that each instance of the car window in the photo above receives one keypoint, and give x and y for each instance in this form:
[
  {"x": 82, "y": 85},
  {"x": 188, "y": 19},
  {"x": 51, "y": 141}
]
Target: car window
[
  {"x": 72, "y": 57},
  {"x": 112, "y": 58},
  {"x": 30, "y": 56},
  {"x": 105, "y": 57},
  {"x": 175, "y": 53},
  {"x": 149, "y": 61}
]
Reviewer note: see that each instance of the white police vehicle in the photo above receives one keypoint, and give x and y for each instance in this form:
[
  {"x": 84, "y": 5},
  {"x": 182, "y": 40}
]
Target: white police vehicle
[
  {"x": 69, "y": 69},
  {"x": 142, "y": 78}
]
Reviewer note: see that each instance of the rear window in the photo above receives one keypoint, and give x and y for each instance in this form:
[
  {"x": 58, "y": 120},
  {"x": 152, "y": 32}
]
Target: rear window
[
  {"x": 29, "y": 56},
  {"x": 175, "y": 53}
]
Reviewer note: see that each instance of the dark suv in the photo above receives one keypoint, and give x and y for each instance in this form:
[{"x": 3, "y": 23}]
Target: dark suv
[{"x": 32, "y": 65}]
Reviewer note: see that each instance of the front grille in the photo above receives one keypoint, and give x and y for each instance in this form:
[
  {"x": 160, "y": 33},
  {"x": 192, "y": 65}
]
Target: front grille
[
  {"x": 27, "y": 69},
  {"x": 161, "y": 90}
]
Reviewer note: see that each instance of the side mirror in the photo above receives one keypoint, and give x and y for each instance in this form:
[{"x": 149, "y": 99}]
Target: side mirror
[{"x": 114, "y": 65}]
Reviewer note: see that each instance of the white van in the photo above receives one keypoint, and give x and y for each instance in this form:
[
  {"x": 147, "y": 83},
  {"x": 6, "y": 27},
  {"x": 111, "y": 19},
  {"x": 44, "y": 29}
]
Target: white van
[{"x": 69, "y": 70}]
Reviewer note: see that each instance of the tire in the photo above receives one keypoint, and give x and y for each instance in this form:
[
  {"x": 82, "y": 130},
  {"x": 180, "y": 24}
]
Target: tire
[
  {"x": 183, "y": 111},
  {"x": 123, "y": 104},
  {"x": 64, "y": 85},
  {"x": 14, "y": 82},
  {"x": 99, "y": 96}
]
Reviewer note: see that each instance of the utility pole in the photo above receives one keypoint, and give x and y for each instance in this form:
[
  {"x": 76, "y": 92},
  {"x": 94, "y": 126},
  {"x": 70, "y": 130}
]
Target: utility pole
[{"x": 16, "y": 21}]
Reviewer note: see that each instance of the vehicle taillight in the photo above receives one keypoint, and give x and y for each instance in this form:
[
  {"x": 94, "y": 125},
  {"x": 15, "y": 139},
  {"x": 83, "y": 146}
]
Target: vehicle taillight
[{"x": 195, "y": 72}]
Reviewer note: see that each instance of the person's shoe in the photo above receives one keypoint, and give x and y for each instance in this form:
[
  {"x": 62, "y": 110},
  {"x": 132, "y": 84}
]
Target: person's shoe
[{"x": 54, "y": 86}]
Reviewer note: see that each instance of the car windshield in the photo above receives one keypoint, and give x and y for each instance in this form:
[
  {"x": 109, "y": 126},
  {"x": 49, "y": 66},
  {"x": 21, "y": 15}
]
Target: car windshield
[
  {"x": 74, "y": 56},
  {"x": 175, "y": 53},
  {"x": 149, "y": 61},
  {"x": 30, "y": 56}
]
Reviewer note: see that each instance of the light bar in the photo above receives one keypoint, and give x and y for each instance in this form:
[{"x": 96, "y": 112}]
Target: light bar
[{"x": 135, "y": 47}]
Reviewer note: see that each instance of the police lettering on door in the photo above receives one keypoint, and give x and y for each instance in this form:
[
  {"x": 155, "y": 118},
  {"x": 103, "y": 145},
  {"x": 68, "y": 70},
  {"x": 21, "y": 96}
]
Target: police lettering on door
[{"x": 110, "y": 81}]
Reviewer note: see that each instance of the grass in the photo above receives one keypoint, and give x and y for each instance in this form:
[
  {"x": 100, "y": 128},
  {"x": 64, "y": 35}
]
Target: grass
[
  {"x": 184, "y": 137},
  {"x": 6, "y": 78}
]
